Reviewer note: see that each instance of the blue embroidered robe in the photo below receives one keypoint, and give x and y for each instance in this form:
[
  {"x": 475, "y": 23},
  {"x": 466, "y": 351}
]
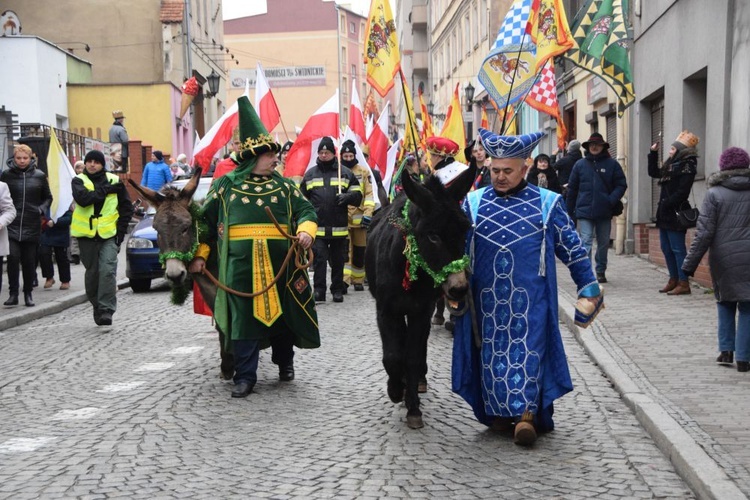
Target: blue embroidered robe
[{"x": 512, "y": 244}]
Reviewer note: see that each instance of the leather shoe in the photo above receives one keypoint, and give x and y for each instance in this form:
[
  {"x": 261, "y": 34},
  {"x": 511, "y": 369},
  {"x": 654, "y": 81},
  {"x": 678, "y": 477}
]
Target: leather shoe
[
  {"x": 345, "y": 290},
  {"x": 105, "y": 318},
  {"x": 358, "y": 287},
  {"x": 49, "y": 283},
  {"x": 743, "y": 366},
  {"x": 320, "y": 296},
  {"x": 28, "y": 300},
  {"x": 286, "y": 373},
  {"x": 12, "y": 301},
  {"x": 242, "y": 390},
  {"x": 338, "y": 297}
]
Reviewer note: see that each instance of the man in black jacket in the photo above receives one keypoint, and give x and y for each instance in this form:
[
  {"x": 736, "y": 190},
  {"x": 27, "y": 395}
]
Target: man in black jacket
[
  {"x": 330, "y": 194},
  {"x": 565, "y": 164}
]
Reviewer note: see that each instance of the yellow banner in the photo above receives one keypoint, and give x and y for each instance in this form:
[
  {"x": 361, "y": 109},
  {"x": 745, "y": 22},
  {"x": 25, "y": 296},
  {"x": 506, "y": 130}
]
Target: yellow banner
[{"x": 382, "y": 57}]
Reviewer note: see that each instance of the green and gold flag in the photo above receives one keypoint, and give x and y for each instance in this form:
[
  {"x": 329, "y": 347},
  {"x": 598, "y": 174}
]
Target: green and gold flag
[{"x": 602, "y": 39}]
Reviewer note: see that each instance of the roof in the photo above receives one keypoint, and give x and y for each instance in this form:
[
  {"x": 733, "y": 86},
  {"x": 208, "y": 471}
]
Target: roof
[{"x": 172, "y": 11}]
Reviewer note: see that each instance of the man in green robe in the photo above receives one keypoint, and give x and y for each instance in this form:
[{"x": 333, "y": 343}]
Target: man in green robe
[{"x": 251, "y": 251}]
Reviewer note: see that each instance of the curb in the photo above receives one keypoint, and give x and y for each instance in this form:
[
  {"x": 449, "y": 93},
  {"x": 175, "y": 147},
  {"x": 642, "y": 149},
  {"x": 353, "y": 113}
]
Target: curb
[
  {"x": 701, "y": 473},
  {"x": 26, "y": 315}
]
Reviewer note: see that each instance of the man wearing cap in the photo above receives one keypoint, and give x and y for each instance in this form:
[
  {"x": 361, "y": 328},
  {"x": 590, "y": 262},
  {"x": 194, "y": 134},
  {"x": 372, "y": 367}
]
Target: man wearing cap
[
  {"x": 118, "y": 135},
  {"x": 508, "y": 358},
  {"x": 596, "y": 184},
  {"x": 282, "y": 157},
  {"x": 359, "y": 218},
  {"x": 442, "y": 151},
  {"x": 330, "y": 194},
  {"x": 100, "y": 222},
  {"x": 156, "y": 173},
  {"x": 251, "y": 251},
  {"x": 565, "y": 164}
]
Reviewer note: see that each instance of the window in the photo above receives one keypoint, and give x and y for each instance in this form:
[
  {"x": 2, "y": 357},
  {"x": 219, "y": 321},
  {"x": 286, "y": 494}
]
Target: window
[
  {"x": 364, "y": 90},
  {"x": 467, "y": 34},
  {"x": 345, "y": 115},
  {"x": 342, "y": 24},
  {"x": 448, "y": 58},
  {"x": 361, "y": 32},
  {"x": 484, "y": 16},
  {"x": 343, "y": 56},
  {"x": 354, "y": 70},
  {"x": 478, "y": 21},
  {"x": 457, "y": 54},
  {"x": 352, "y": 29}
]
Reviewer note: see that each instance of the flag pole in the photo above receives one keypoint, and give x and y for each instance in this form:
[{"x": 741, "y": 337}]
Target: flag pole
[
  {"x": 513, "y": 80},
  {"x": 408, "y": 114},
  {"x": 283, "y": 127}
]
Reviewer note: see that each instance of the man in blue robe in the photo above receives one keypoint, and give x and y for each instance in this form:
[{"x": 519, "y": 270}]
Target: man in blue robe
[{"x": 518, "y": 229}]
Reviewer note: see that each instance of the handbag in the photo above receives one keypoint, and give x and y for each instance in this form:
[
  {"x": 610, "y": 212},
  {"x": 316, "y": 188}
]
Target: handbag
[
  {"x": 687, "y": 217},
  {"x": 619, "y": 207}
]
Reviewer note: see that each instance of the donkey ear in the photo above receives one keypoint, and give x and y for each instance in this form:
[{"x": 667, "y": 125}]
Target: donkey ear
[
  {"x": 189, "y": 189},
  {"x": 416, "y": 192},
  {"x": 153, "y": 197},
  {"x": 461, "y": 185}
]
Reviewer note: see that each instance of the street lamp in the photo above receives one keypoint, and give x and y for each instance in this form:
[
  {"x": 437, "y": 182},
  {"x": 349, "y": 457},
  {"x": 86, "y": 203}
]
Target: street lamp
[
  {"x": 469, "y": 93},
  {"x": 213, "y": 83}
]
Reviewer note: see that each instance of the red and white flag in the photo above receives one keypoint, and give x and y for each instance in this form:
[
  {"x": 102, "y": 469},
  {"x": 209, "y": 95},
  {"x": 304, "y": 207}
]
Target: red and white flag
[
  {"x": 219, "y": 134},
  {"x": 356, "y": 118},
  {"x": 391, "y": 165},
  {"x": 543, "y": 97},
  {"x": 378, "y": 143},
  {"x": 265, "y": 104},
  {"x": 324, "y": 122}
]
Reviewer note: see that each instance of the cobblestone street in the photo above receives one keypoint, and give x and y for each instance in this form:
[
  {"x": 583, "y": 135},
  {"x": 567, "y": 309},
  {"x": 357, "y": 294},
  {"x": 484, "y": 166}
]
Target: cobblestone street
[{"x": 138, "y": 411}]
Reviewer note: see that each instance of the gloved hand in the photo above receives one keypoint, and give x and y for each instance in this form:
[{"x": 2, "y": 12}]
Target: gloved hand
[
  {"x": 366, "y": 220},
  {"x": 342, "y": 199},
  {"x": 115, "y": 188},
  {"x": 119, "y": 238}
]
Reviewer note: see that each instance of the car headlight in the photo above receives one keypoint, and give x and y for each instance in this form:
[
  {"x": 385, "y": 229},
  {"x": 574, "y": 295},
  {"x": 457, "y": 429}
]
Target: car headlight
[{"x": 140, "y": 243}]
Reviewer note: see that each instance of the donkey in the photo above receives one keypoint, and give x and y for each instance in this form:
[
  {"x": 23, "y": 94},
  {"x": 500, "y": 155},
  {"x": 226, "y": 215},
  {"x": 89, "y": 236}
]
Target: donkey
[
  {"x": 174, "y": 225},
  {"x": 405, "y": 290}
]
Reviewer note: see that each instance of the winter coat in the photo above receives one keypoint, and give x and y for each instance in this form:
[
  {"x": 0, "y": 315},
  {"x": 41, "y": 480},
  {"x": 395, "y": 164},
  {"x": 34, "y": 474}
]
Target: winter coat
[
  {"x": 59, "y": 234},
  {"x": 552, "y": 182},
  {"x": 676, "y": 180},
  {"x": 564, "y": 166},
  {"x": 7, "y": 214},
  {"x": 118, "y": 134},
  {"x": 724, "y": 229},
  {"x": 32, "y": 198},
  {"x": 155, "y": 175},
  {"x": 320, "y": 185},
  {"x": 102, "y": 187},
  {"x": 595, "y": 185}
]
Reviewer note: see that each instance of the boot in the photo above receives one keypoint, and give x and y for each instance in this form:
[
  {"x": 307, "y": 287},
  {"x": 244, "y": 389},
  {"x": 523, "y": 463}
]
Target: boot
[
  {"x": 671, "y": 284},
  {"x": 12, "y": 300},
  {"x": 682, "y": 288},
  {"x": 28, "y": 300},
  {"x": 725, "y": 358}
]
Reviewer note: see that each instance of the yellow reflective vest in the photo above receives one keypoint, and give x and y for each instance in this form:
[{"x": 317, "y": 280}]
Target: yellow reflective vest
[{"x": 87, "y": 224}]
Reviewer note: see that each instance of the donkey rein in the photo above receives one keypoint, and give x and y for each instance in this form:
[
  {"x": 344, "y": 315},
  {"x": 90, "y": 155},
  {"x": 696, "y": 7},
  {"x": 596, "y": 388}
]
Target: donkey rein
[{"x": 294, "y": 249}]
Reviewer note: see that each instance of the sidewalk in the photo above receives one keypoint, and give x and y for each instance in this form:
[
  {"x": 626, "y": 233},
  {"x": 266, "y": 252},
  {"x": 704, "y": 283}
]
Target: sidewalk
[
  {"x": 51, "y": 300},
  {"x": 659, "y": 353}
]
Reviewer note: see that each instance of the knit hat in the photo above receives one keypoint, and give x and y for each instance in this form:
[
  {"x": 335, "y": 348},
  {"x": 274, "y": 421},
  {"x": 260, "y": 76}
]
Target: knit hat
[
  {"x": 509, "y": 146},
  {"x": 158, "y": 154},
  {"x": 326, "y": 143},
  {"x": 574, "y": 146},
  {"x": 96, "y": 156},
  {"x": 734, "y": 158},
  {"x": 348, "y": 147}
]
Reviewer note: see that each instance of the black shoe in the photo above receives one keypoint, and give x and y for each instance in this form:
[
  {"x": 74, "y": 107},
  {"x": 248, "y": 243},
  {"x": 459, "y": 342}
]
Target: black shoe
[
  {"x": 743, "y": 366},
  {"x": 320, "y": 296},
  {"x": 286, "y": 373},
  {"x": 338, "y": 297},
  {"x": 358, "y": 287},
  {"x": 242, "y": 389},
  {"x": 345, "y": 290},
  {"x": 12, "y": 300},
  {"x": 450, "y": 325},
  {"x": 75, "y": 259},
  {"x": 28, "y": 300},
  {"x": 35, "y": 283},
  {"x": 97, "y": 316},
  {"x": 105, "y": 318},
  {"x": 726, "y": 358},
  {"x": 601, "y": 278}
]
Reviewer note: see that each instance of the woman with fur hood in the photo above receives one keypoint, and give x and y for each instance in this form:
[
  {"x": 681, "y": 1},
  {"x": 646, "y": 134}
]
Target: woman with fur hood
[
  {"x": 676, "y": 177},
  {"x": 724, "y": 229},
  {"x": 543, "y": 175}
]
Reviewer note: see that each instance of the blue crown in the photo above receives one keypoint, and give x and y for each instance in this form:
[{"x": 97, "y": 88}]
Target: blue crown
[{"x": 509, "y": 146}]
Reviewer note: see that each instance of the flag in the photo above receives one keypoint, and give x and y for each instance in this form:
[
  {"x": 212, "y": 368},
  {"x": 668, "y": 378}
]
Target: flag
[
  {"x": 484, "y": 122},
  {"x": 371, "y": 107},
  {"x": 508, "y": 72},
  {"x": 268, "y": 111},
  {"x": 382, "y": 57},
  {"x": 426, "y": 120},
  {"x": 60, "y": 174},
  {"x": 218, "y": 135},
  {"x": 356, "y": 118},
  {"x": 411, "y": 135},
  {"x": 390, "y": 165},
  {"x": 548, "y": 28},
  {"x": 508, "y": 125},
  {"x": 360, "y": 155},
  {"x": 378, "y": 142},
  {"x": 602, "y": 47},
  {"x": 453, "y": 128},
  {"x": 543, "y": 97},
  {"x": 324, "y": 122}
]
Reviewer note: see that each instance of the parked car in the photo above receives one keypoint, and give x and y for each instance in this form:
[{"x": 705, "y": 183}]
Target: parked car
[{"x": 142, "y": 250}]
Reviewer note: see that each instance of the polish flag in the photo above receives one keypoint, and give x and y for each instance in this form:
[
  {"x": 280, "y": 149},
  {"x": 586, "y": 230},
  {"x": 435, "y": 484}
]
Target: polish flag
[
  {"x": 219, "y": 135},
  {"x": 356, "y": 118},
  {"x": 378, "y": 143},
  {"x": 391, "y": 165},
  {"x": 324, "y": 122},
  {"x": 265, "y": 104}
]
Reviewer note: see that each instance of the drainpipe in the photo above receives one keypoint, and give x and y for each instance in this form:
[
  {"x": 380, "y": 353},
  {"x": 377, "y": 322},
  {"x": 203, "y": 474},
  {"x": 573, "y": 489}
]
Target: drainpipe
[{"x": 621, "y": 222}]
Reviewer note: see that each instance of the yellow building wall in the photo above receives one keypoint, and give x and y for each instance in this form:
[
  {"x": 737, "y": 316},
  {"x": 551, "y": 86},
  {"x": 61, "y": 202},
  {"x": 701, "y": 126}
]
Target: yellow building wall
[
  {"x": 296, "y": 104},
  {"x": 147, "y": 108}
]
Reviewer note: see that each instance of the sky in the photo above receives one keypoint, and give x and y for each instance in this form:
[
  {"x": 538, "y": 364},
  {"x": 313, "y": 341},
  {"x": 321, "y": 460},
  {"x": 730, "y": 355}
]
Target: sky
[{"x": 232, "y": 9}]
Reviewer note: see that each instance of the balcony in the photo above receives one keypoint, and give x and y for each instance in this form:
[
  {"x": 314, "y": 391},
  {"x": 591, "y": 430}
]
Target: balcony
[
  {"x": 419, "y": 17},
  {"x": 419, "y": 60}
]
